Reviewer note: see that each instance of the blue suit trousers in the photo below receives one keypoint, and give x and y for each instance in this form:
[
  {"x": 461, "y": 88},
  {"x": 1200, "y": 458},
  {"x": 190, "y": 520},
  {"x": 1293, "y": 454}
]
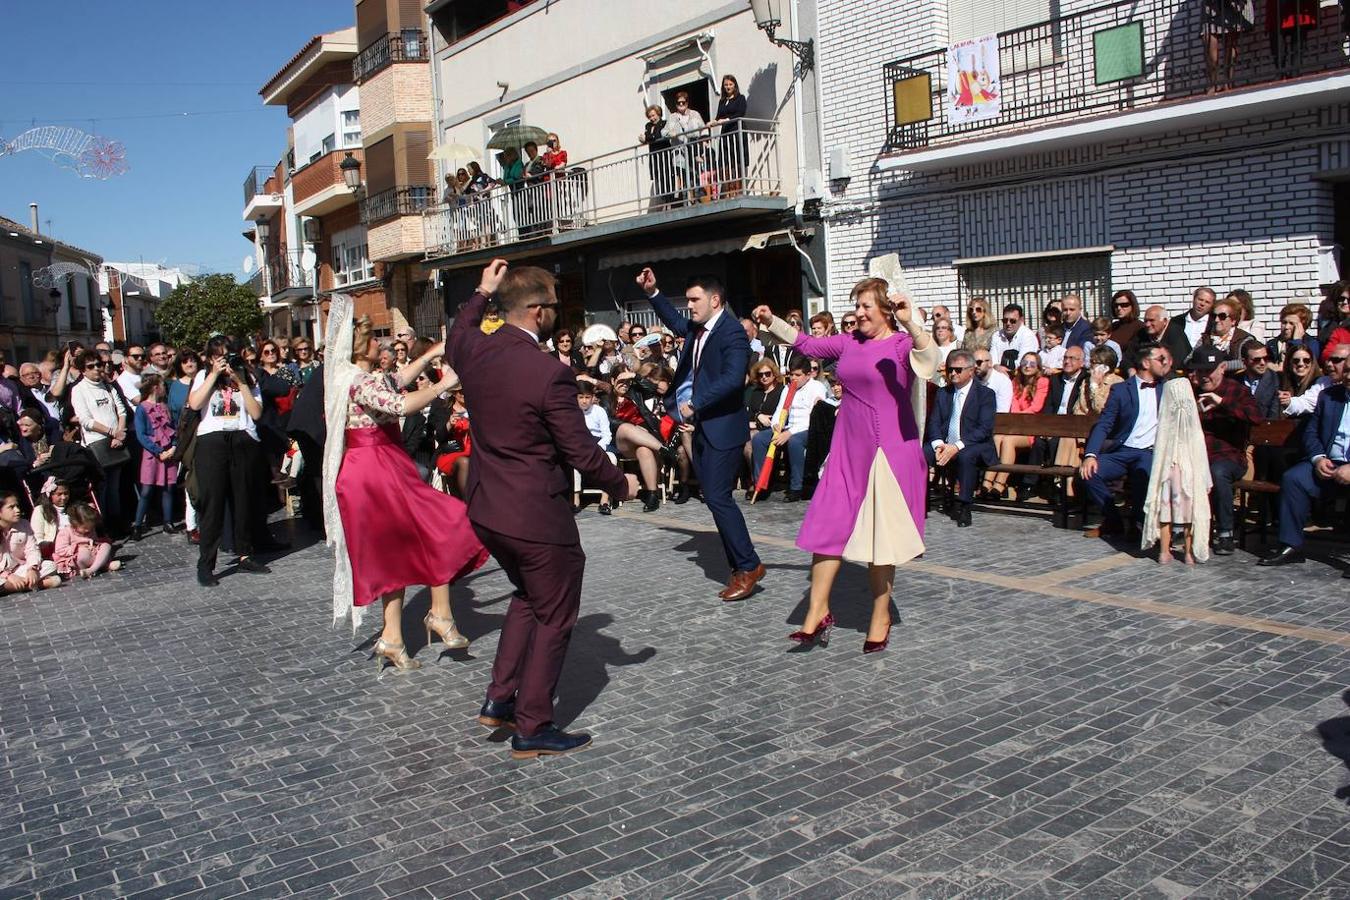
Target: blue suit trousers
[
  {"x": 717, "y": 471},
  {"x": 1126, "y": 462}
]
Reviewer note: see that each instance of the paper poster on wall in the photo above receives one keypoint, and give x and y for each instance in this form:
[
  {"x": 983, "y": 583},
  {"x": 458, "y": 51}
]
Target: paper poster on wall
[{"x": 973, "y": 90}]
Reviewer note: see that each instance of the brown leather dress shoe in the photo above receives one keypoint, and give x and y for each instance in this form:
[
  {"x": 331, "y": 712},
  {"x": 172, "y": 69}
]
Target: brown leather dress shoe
[
  {"x": 742, "y": 583},
  {"x": 731, "y": 583}
]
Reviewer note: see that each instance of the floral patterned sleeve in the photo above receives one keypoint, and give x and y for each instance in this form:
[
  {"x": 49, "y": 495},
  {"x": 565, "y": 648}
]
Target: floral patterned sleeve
[{"x": 374, "y": 401}]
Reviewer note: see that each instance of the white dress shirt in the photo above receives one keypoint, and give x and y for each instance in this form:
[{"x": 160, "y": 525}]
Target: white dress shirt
[
  {"x": 1001, "y": 385},
  {"x": 1145, "y": 429},
  {"x": 1195, "y": 328},
  {"x": 1023, "y": 341},
  {"x": 1069, "y": 384},
  {"x": 1339, "y": 451},
  {"x": 807, "y": 396},
  {"x": 1053, "y": 358}
]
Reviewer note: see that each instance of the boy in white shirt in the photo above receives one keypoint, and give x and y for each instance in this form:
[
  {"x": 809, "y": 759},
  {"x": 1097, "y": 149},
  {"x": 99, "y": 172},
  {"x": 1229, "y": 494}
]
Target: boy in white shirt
[
  {"x": 1052, "y": 357},
  {"x": 597, "y": 421}
]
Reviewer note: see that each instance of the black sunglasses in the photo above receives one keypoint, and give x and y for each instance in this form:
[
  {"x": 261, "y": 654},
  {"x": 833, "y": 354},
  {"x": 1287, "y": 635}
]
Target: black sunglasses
[
  {"x": 1337, "y": 360},
  {"x": 1300, "y": 362},
  {"x": 1222, "y": 317},
  {"x": 135, "y": 356},
  {"x": 956, "y": 370},
  {"x": 1124, "y": 304},
  {"x": 1011, "y": 321}
]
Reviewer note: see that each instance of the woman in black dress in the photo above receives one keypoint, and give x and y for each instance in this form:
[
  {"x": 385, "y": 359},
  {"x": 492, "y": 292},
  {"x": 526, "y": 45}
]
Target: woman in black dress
[
  {"x": 658, "y": 159},
  {"x": 732, "y": 145}
]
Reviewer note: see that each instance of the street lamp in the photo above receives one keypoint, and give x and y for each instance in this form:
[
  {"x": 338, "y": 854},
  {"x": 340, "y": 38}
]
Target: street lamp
[
  {"x": 768, "y": 19},
  {"x": 351, "y": 172},
  {"x": 264, "y": 228}
]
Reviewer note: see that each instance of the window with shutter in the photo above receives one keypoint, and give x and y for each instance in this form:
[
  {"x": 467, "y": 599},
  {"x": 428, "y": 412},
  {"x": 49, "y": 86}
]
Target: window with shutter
[
  {"x": 418, "y": 166},
  {"x": 971, "y": 19},
  {"x": 372, "y": 22},
  {"x": 380, "y": 173}
]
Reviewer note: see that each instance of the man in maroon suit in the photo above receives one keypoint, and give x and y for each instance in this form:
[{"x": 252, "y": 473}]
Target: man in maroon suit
[{"x": 526, "y": 425}]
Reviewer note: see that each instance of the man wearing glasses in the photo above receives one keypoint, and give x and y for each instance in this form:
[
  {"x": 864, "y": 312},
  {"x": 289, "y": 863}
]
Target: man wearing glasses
[
  {"x": 1260, "y": 382},
  {"x": 527, "y": 427},
  {"x": 1326, "y": 440},
  {"x": 960, "y": 432},
  {"x": 1013, "y": 336},
  {"x": 994, "y": 379},
  {"x": 133, "y": 364}
]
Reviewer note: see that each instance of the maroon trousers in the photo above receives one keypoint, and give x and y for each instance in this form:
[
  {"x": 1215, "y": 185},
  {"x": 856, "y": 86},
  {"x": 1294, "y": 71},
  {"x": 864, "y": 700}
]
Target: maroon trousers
[{"x": 538, "y": 626}]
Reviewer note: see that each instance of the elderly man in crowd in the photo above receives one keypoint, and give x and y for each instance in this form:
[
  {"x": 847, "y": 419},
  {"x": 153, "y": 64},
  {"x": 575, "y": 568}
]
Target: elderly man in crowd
[
  {"x": 1013, "y": 341},
  {"x": 1154, "y": 331},
  {"x": 1185, "y": 330},
  {"x": 1326, "y": 470},
  {"x": 1227, "y": 413}
]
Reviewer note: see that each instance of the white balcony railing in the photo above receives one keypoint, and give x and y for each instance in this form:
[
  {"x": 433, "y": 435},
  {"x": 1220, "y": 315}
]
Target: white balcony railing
[{"x": 620, "y": 185}]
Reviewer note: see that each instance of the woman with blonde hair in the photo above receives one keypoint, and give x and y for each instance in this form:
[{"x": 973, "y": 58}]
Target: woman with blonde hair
[
  {"x": 1177, "y": 508},
  {"x": 980, "y": 325},
  {"x": 366, "y": 472}
]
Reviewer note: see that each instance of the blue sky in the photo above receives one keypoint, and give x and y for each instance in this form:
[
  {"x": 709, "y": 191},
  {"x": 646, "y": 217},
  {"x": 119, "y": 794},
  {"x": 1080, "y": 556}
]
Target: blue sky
[{"x": 127, "y": 70}]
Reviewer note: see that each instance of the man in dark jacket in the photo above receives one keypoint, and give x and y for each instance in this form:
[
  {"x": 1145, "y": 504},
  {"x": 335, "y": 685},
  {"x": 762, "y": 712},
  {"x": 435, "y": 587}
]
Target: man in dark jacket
[{"x": 960, "y": 431}]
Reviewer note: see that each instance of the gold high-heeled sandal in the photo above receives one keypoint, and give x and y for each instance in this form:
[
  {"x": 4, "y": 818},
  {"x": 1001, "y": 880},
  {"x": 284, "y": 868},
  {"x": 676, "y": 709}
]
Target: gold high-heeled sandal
[
  {"x": 397, "y": 654},
  {"x": 445, "y": 629}
]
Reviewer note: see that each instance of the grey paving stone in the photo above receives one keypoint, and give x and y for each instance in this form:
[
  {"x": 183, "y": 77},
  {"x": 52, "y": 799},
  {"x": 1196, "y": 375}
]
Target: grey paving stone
[{"x": 162, "y": 739}]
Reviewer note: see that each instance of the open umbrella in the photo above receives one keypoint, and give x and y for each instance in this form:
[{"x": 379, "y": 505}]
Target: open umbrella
[
  {"x": 455, "y": 156},
  {"x": 517, "y": 136},
  {"x": 766, "y": 471}
]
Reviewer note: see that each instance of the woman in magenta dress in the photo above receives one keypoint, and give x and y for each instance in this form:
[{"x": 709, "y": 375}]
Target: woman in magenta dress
[
  {"x": 389, "y": 529},
  {"x": 869, "y": 505}
]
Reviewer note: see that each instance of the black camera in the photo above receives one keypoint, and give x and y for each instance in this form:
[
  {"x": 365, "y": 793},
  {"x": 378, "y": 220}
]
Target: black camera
[{"x": 235, "y": 362}]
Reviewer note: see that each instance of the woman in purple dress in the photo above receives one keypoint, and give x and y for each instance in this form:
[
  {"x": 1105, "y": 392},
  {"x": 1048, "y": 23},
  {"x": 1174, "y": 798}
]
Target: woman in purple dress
[{"x": 869, "y": 505}]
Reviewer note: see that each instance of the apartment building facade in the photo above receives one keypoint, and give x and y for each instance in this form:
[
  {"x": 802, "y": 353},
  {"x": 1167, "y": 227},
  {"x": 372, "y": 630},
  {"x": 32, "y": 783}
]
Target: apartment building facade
[
  {"x": 305, "y": 218},
  {"x": 134, "y": 291},
  {"x": 392, "y": 70},
  {"x": 1027, "y": 150},
  {"x": 40, "y": 306},
  {"x": 587, "y": 72}
]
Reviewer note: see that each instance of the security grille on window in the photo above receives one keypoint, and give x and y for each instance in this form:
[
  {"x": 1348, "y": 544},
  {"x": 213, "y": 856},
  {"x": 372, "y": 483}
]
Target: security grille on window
[
  {"x": 351, "y": 263},
  {"x": 1033, "y": 283}
]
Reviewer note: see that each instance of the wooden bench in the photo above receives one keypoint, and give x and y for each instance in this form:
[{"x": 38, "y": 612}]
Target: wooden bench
[
  {"x": 1279, "y": 433},
  {"x": 1050, "y": 426}
]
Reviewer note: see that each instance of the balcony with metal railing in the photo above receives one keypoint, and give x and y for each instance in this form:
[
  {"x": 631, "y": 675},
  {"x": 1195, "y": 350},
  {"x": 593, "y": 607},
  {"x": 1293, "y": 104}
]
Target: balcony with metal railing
[
  {"x": 262, "y": 192},
  {"x": 287, "y": 278},
  {"x": 711, "y": 174},
  {"x": 409, "y": 45},
  {"x": 1125, "y": 67},
  {"x": 403, "y": 200}
]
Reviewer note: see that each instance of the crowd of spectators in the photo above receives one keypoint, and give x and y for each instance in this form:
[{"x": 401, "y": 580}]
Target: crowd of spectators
[{"x": 103, "y": 445}]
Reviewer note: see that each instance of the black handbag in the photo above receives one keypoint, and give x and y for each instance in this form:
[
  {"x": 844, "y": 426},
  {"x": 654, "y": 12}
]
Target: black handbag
[{"x": 108, "y": 456}]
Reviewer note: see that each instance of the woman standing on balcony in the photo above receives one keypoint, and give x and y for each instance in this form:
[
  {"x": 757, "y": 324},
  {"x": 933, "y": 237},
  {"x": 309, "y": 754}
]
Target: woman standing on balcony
[
  {"x": 1223, "y": 23},
  {"x": 683, "y": 128},
  {"x": 733, "y": 145},
  {"x": 658, "y": 150}
]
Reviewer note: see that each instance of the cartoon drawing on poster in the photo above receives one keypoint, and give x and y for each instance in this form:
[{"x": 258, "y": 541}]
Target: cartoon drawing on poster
[{"x": 973, "y": 90}]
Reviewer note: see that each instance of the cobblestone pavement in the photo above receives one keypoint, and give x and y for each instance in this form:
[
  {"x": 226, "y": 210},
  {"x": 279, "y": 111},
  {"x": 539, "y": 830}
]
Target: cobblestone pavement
[{"x": 1053, "y": 718}]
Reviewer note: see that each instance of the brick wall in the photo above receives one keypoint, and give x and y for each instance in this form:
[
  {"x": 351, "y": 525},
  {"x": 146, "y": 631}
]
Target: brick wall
[
  {"x": 399, "y": 93},
  {"x": 1233, "y": 205}
]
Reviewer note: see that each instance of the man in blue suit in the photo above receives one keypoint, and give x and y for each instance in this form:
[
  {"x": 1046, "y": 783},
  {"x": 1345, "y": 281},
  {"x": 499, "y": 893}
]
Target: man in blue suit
[
  {"x": 1121, "y": 442},
  {"x": 960, "y": 430},
  {"x": 711, "y": 375},
  {"x": 1326, "y": 441}
]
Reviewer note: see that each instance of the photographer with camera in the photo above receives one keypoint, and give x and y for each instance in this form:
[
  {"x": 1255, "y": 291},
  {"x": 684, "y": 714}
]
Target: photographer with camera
[{"x": 226, "y": 459}]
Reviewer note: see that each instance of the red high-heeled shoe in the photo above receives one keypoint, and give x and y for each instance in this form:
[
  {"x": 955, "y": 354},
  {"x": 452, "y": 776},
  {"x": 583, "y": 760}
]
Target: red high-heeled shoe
[
  {"x": 877, "y": 646},
  {"x": 820, "y": 636}
]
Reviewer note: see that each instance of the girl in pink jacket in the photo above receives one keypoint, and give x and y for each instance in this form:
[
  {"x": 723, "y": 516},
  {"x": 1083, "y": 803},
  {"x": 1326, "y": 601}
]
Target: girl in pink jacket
[
  {"x": 22, "y": 567},
  {"x": 80, "y": 549}
]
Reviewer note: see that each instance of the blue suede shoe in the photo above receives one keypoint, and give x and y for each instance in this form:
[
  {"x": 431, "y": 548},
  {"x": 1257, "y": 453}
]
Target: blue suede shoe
[{"x": 548, "y": 742}]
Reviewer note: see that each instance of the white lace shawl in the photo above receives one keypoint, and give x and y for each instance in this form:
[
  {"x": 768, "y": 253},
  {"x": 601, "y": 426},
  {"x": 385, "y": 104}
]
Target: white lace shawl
[
  {"x": 338, "y": 374},
  {"x": 1181, "y": 442}
]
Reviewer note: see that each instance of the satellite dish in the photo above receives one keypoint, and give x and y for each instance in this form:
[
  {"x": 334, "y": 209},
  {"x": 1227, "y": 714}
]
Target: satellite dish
[
  {"x": 248, "y": 265},
  {"x": 308, "y": 260}
]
